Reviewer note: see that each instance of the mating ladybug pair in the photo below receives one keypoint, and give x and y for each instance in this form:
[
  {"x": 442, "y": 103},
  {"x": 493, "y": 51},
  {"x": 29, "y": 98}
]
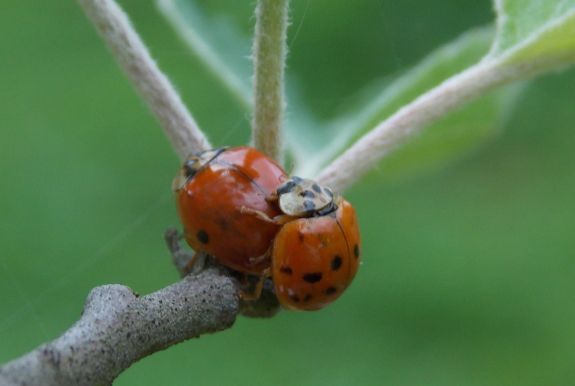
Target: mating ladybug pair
[{"x": 241, "y": 207}]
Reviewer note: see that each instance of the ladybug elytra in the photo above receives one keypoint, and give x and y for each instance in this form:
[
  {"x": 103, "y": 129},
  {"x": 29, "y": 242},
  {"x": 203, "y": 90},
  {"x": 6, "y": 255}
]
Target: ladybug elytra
[
  {"x": 316, "y": 254},
  {"x": 210, "y": 186}
]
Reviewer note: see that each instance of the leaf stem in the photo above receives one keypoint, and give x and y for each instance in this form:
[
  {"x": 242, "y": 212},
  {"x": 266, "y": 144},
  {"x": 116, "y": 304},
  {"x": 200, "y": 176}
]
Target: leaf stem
[
  {"x": 411, "y": 119},
  {"x": 269, "y": 55},
  {"x": 152, "y": 85}
]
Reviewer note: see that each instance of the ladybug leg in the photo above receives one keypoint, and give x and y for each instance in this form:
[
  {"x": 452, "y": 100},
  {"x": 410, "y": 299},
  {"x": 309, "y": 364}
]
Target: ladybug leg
[
  {"x": 279, "y": 219},
  {"x": 245, "y": 280},
  {"x": 183, "y": 259},
  {"x": 258, "y": 260},
  {"x": 258, "y": 213},
  {"x": 272, "y": 197},
  {"x": 258, "y": 290},
  {"x": 189, "y": 267}
]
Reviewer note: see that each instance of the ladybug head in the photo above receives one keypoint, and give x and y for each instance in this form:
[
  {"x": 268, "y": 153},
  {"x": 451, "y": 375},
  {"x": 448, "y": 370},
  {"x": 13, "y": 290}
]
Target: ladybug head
[
  {"x": 302, "y": 197},
  {"x": 192, "y": 165}
]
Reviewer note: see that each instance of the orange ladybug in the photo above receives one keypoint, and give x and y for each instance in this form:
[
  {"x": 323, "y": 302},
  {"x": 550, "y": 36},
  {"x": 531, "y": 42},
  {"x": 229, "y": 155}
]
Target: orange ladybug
[
  {"x": 210, "y": 186},
  {"x": 316, "y": 254}
]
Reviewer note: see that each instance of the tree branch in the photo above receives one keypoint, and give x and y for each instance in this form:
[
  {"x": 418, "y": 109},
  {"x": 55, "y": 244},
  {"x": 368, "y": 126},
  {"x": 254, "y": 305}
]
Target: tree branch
[
  {"x": 118, "y": 328},
  {"x": 152, "y": 85}
]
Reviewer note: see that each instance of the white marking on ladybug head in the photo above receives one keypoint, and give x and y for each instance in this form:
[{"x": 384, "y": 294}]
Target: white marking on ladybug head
[
  {"x": 192, "y": 165},
  {"x": 302, "y": 197}
]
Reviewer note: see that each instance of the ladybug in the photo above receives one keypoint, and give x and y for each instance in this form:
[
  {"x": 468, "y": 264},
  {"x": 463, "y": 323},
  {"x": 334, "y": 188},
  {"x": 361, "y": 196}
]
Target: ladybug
[
  {"x": 209, "y": 188},
  {"x": 316, "y": 254}
]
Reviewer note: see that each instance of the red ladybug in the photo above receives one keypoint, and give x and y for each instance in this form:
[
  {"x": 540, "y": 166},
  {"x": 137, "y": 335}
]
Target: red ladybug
[
  {"x": 210, "y": 186},
  {"x": 316, "y": 254}
]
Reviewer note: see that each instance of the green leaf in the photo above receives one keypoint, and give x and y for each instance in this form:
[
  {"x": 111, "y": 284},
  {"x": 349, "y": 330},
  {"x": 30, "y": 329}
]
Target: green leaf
[
  {"x": 531, "y": 37},
  {"x": 538, "y": 35},
  {"x": 535, "y": 31},
  {"x": 446, "y": 139},
  {"x": 453, "y": 136},
  {"x": 222, "y": 49}
]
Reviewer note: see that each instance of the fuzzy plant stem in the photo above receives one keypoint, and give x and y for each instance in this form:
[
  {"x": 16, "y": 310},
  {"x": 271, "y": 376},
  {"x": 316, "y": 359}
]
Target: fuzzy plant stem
[
  {"x": 269, "y": 56},
  {"x": 411, "y": 119},
  {"x": 153, "y": 86}
]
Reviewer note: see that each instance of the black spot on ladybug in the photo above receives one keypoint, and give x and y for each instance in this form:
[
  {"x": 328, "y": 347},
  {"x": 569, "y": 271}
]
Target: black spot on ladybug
[
  {"x": 308, "y": 205},
  {"x": 336, "y": 263},
  {"x": 286, "y": 188},
  {"x": 295, "y": 298},
  {"x": 286, "y": 270},
  {"x": 307, "y": 298},
  {"x": 297, "y": 180},
  {"x": 331, "y": 291},
  {"x": 316, "y": 188},
  {"x": 328, "y": 192},
  {"x": 356, "y": 251},
  {"x": 300, "y": 236},
  {"x": 203, "y": 237},
  {"x": 224, "y": 223},
  {"x": 312, "y": 277},
  {"x": 307, "y": 193}
]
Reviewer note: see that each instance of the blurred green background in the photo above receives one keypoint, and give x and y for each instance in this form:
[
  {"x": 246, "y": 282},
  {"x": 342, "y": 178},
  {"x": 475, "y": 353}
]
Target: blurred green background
[{"x": 468, "y": 274}]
